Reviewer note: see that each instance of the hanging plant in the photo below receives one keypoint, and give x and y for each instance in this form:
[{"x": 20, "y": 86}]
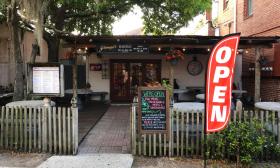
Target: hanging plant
[{"x": 173, "y": 56}]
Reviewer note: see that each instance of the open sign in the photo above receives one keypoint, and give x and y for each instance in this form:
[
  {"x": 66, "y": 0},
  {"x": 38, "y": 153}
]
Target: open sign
[{"x": 219, "y": 82}]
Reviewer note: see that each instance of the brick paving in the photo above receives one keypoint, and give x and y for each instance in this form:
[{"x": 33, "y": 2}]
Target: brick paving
[
  {"x": 89, "y": 116},
  {"x": 111, "y": 134}
]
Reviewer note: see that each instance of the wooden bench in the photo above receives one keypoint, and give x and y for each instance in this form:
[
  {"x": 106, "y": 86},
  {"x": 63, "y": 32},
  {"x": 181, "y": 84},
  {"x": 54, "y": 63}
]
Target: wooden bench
[{"x": 101, "y": 94}]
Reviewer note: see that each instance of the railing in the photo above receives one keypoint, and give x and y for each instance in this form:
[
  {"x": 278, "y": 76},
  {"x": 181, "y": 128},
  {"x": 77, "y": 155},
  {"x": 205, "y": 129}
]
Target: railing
[
  {"x": 52, "y": 130},
  {"x": 187, "y": 135}
]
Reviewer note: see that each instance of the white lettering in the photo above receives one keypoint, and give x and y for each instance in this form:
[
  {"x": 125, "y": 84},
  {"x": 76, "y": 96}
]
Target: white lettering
[
  {"x": 220, "y": 72},
  {"x": 216, "y": 113},
  {"x": 219, "y": 94},
  {"x": 227, "y": 54}
]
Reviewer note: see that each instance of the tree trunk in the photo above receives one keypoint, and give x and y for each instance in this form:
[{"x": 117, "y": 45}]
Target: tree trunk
[
  {"x": 53, "y": 48},
  {"x": 13, "y": 22},
  {"x": 35, "y": 50},
  {"x": 54, "y": 41}
]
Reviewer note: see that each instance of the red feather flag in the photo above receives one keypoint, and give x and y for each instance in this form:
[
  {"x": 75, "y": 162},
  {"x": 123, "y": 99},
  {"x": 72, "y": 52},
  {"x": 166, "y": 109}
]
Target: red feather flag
[{"x": 219, "y": 82}]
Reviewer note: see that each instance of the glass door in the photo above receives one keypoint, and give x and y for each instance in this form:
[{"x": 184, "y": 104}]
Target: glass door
[
  {"x": 128, "y": 75},
  {"x": 120, "y": 81}
]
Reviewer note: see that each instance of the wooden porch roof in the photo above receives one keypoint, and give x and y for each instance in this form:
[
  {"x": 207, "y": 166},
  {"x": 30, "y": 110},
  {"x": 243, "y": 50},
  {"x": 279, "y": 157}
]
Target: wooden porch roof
[{"x": 188, "y": 41}]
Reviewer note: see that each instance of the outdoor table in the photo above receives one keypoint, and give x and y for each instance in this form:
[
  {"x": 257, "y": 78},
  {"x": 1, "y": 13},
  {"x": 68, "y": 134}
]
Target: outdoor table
[
  {"x": 189, "y": 106},
  {"x": 28, "y": 103},
  {"x": 200, "y": 96},
  {"x": 239, "y": 91},
  {"x": 79, "y": 91},
  {"x": 6, "y": 95},
  {"x": 179, "y": 91},
  {"x": 272, "y": 106}
]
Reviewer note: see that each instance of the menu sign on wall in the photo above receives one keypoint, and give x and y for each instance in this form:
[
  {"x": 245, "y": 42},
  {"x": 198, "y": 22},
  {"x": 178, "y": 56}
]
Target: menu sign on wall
[
  {"x": 46, "y": 80},
  {"x": 153, "y": 110}
]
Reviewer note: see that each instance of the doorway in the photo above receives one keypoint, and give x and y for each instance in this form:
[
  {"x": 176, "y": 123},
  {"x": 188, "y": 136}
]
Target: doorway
[{"x": 128, "y": 75}]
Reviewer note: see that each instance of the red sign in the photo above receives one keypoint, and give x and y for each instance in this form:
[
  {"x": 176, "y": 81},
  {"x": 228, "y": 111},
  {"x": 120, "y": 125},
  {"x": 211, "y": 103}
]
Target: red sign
[
  {"x": 95, "y": 67},
  {"x": 219, "y": 82}
]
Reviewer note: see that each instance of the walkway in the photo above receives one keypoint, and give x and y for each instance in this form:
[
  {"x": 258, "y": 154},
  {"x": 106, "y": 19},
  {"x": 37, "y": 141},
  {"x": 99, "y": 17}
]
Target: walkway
[
  {"x": 89, "y": 116},
  {"x": 111, "y": 134}
]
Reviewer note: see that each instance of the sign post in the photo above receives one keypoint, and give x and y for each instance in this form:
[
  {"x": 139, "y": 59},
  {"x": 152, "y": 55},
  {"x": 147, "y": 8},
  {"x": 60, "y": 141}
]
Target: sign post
[
  {"x": 153, "y": 110},
  {"x": 218, "y": 85}
]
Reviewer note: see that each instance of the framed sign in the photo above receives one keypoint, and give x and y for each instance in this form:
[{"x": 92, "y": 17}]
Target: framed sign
[
  {"x": 46, "y": 79},
  {"x": 153, "y": 113},
  {"x": 95, "y": 67}
]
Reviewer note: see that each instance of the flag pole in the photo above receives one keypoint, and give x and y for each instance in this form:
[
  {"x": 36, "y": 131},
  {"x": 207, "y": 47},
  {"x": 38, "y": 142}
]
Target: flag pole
[{"x": 205, "y": 122}]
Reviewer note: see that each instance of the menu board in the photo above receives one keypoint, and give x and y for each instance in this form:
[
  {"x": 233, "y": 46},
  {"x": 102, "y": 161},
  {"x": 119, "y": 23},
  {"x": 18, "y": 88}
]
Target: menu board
[
  {"x": 153, "y": 110},
  {"x": 45, "y": 80}
]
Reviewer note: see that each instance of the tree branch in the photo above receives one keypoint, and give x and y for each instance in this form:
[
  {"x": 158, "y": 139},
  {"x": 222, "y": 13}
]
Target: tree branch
[{"x": 94, "y": 13}]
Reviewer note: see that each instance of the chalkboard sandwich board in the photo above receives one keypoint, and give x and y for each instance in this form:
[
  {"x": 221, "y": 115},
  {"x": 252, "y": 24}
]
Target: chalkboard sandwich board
[{"x": 153, "y": 113}]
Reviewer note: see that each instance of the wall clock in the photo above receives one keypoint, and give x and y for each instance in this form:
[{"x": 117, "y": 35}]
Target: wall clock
[{"x": 194, "y": 67}]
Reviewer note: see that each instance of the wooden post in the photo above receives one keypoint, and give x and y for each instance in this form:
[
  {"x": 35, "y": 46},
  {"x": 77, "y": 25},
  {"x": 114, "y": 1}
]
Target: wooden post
[
  {"x": 44, "y": 129},
  {"x": 75, "y": 133},
  {"x": 257, "y": 75},
  {"x": 171, "y": 79},
  {"x": 133, "y": 125}
]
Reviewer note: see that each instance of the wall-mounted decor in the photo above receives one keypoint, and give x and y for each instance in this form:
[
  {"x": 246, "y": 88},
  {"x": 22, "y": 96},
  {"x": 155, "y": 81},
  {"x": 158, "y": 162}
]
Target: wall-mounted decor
[
  {"x": 95, "y": 67},
  {"x": 194, "y": 67},
  {"x": 105, "y": 70}
]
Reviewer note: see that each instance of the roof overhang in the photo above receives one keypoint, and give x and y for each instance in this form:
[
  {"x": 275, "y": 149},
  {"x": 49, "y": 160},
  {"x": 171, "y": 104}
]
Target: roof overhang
[{"x": 188, "y": 41}]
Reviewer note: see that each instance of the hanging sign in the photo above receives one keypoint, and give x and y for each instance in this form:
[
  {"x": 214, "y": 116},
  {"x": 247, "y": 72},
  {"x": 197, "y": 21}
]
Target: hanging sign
[
  {"x": 153, "y": 110},
  {"x": 219, "y": 82}
]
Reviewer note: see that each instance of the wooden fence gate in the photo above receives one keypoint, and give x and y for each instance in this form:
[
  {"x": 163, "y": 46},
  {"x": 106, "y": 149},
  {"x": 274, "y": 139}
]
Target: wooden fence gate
[
  {"x": 187, "y": 132},
  {"x": 52, "y": 130}
]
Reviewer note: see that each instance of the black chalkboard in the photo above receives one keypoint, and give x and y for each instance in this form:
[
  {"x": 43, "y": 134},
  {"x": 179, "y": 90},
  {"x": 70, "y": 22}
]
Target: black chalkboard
[{"x": 153, "y": 110}]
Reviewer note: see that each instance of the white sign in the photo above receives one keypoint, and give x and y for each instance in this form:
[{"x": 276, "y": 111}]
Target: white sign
[{"x": 46, "y": 80}]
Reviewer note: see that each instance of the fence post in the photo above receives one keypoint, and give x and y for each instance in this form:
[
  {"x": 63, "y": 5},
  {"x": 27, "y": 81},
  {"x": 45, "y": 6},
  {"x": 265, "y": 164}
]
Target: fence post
[
  {"x": 239, "y": 106},
  {"x": 133, "y": 125},
  {"x": 171, "y": 129},
  {"x": 75, "y": 129},
  {"x": 44, "y": 129}
]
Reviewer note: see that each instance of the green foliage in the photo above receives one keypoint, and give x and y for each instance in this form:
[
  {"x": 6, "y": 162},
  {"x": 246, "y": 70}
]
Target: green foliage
[
  {"x": 92, "y": 17},
  {"x": 168, "y": 16},
  {"x": 3, "y": 11},
  {"x": 244, "y": 142},
  {"x": 96, "y": 17},
  {"x": 168, "y": 86}
]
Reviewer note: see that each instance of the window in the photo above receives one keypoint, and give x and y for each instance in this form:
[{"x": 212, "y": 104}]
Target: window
[
  {"x": 225, "y": 4},
  {"x": 248, "y": 8}
]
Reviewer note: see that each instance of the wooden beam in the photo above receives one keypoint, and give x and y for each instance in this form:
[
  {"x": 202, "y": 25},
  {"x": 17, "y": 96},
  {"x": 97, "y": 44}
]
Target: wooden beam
[{"x": 257, "y": 75}]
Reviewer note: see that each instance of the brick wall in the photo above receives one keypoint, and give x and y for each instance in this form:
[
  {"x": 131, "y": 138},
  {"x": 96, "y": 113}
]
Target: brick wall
[
  {"x": 263, "y": 22},
  {"x": 270, "y": 88},
  {"x": 225, "y": 18}
]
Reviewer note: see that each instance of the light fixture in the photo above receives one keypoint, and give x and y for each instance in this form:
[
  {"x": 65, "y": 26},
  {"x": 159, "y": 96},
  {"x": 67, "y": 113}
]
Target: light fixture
[
  {"x": 184, "y": 49},
  {"x": 208, "y": 49},
  {"x": 246, "y": 51},
  {"x": 159, "y": 49}
]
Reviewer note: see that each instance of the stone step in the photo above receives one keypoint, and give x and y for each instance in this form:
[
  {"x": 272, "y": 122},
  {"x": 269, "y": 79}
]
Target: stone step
[{"x": 105, "y": 160}]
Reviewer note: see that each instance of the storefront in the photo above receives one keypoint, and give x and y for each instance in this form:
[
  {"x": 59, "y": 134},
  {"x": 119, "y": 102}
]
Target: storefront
[{"x": 119, "y": 64}]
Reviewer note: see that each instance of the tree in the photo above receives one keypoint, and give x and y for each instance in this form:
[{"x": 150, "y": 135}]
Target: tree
[
  {"x": 54, "y": 18},
  {"x": 168, "y": 16}
]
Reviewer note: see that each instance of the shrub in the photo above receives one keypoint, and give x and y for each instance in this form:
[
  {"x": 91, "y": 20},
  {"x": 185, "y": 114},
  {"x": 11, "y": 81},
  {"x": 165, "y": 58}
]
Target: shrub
[{"x": 243, "y": 142}]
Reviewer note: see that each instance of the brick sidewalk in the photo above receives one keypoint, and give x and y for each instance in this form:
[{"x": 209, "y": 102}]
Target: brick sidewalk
[{"x": 111, "y": 134}]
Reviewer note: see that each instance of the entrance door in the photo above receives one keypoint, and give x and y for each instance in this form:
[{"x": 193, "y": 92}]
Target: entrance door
[{"x": 128, "y": 75}]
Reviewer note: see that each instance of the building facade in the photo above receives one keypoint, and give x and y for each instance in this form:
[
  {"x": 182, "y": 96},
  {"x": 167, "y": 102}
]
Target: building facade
[{"x": 255, "y": 18}]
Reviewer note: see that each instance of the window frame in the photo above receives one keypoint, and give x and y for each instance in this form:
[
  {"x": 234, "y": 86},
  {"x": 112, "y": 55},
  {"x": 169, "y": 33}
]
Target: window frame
[
  {"x": 225, "y": 4},
  {"x": 248, "y": 8}
]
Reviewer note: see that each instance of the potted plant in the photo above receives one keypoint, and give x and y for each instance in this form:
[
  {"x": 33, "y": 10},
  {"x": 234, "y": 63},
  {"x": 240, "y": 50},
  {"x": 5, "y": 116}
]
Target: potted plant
[{"x": 173, "y": 56}]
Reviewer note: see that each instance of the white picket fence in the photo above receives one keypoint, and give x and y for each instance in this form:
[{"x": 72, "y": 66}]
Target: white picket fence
[
  {"x": 52, "y": 130},
  {"x": 187, "y": 132}
]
